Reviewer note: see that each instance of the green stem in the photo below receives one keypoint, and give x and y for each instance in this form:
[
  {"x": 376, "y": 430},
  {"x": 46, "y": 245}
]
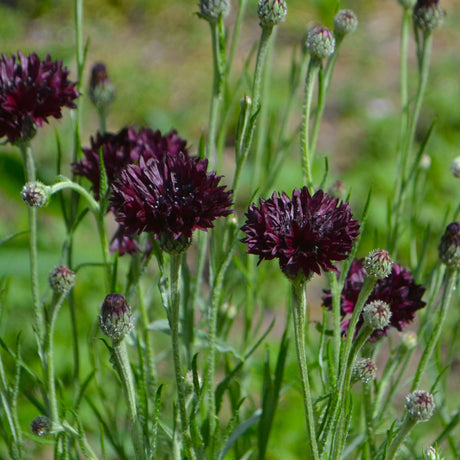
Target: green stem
[
  {"x": 450, "y": 280},
  {"x": 218, "y": 57},
  {"x": 368, "y": 414},
  {"x": 336, "y": 320},
  {"x": 146, "y": 335},
  {"x": 306, "y": 157},
  {"x": 236, "y": 33},
  {"x": 29, "y": 168},
  {"x": 405, "y": 429},
  {"x": 102, "y": 112},
  {"x": 123, "y": 367},
  {"x": 299, "y": 305},
  {"x": 174, "y": 320}
]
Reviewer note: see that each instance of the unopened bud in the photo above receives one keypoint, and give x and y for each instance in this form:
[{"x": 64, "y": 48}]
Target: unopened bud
[
  {"x": 345, "y": 22},
  {"x": 425, "y": 162},
  {"x": 41, "y": 426},
  {"x": 364, "y": 370},
  {"x": 173, "y": 245},
  {"x": 449, "y": 247},
  {"x": 116, "y": 318},
  {"x": 35, "y": 194},
  {"x": 378, "y": 264},
  {"x": 428, "y": 15},
  {"x": 420, "y": 405},
  {"x": 210, "y": 10},
  {"x": 61, "y": 279},
  {"x": 271, "y": 12},
  {"x": 409, "y": 340},
  {"x": 320, "y": 43},
  {"x": 101, "y": 91},
  {"x": 377, "y": 314},
  {"x": 455, "y": 167},
  {"x": 432, "y": 454}
]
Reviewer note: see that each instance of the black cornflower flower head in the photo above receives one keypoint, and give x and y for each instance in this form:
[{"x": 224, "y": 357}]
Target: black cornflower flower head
[
  {"x": 306, "y": 233},
  {"x": 123, "y": 148},
  {"x": 31, "y": 90},
  {"x": 398, "y": 290},
  {"x": 170, "y": 197}
]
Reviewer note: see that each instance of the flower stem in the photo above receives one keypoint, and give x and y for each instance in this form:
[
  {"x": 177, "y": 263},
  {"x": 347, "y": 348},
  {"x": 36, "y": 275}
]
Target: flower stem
[
  {"x": 122, "y": 366},
  {"x": 405, "y": 429},
  {"x": 174, "y": 319},
  {"x": 305, "y": 152},
  {"x": 29, "y": 168},
  {"x": 450, "y": 280},
  {"x": 299, "y": 305}
]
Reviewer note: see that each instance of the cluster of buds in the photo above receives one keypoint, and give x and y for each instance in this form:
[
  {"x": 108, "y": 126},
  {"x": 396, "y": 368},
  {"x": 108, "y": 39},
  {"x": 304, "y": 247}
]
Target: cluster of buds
[
  {"x": 116, "y": 319},
  {"x": 35, "y": 194},
  {"x": 210, "y": 10},
  {"x": 271, "y": 12}
]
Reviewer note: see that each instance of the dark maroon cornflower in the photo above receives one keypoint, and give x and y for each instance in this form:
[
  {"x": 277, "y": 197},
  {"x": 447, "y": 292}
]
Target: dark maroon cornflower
[
  {"x": 398, "y": 290},
  {"x": 31, "y": 90},
  {"x": 306, "y": 233},
  {"x": 123, "y": 148},
  {"x": 169, "y": 197}
]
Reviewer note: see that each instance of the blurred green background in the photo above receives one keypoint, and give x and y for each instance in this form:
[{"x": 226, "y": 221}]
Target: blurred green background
[{"x": 158, "y": 55}]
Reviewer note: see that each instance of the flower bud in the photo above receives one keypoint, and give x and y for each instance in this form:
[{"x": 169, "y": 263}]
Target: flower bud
[
  {"x": 428, "y": 15},
  {"x": 271, "y": 12},
  {"x": 41, "y": 426},
  {"x": 455, "y": 167},
  {"x": 61, "y": 279},
  {"x": 409, "y": 340},
  {"x": 345, "y": 22},
  {"x": 378, "y": 264},
  {"x": 320, "y": 43},
  {"x": 420, "y": 405},
  {"x": 101, "y": 91},
  {"x": 116, "y": 319},
  {"x": 364, "y": 370},
  {"x": 210, "y": 10},
  {"x": 432, "y": 454},
  {"x": 377, "y": 314},
  {"x": 449, "y": 247},
  {"x": 35, "y": 194}
]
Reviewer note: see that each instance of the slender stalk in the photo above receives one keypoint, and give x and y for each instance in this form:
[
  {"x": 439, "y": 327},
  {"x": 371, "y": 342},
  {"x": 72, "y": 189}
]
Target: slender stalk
[
  {"x": 368, "y": 414},
  {"x": 305, "y": 152},
  {"x": 405, "y": 429},
  {"x": 299, "y": 305},
  {"x": 146, "y": 335},
  {"x": 174, "y": 319},
  {"x": 102, "y": 112},
  {"x": 123, "y": 367},
  {"x": 29, "y": 169},
  {"x": 218, "y": 57},
  {"x": 450, "y": 280},
  {"x": 236, "y": 33}
]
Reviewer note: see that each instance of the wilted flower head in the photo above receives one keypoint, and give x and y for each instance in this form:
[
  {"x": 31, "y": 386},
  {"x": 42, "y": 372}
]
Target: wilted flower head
[
  {"x": 306, "y": 233},
  {"x": 212, "y": 9},
  {"x": 428, "y": 15},
  {"x": 31, "y": 90},
  {"x": 320, "y": 43},
  {"x": 420, "y": 405},
  {"x": 271, "y": 12},
  {"x": 123, "y": 148},
  {"x": 101, "y": 91},
  {"x": 35, "y": 194},
  {"x": 116, "y": 318},
  {"x": 61, "y": 279},
  {"x": 170, "y": 197},
  {"x": 449, "y": 247},
  {"x": 398, "y": 290},
  {"x": 345, "y": 22}
]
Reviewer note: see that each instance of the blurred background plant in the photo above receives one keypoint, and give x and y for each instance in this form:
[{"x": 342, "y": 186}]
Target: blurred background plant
[{"x": 159, "y": 60}]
